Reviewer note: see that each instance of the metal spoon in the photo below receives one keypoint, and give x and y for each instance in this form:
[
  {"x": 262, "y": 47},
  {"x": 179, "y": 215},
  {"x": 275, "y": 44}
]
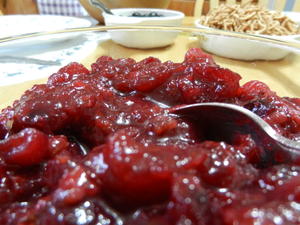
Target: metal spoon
[
  {"x": 101, "y": 6},
  {"x": 226, "y": 119}
]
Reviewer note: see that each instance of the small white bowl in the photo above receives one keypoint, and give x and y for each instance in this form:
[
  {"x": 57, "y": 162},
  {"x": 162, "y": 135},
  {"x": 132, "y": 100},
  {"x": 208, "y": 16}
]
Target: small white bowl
[
  {"x": 143, "y": 38},
  {"x": 243, "y": 49}
]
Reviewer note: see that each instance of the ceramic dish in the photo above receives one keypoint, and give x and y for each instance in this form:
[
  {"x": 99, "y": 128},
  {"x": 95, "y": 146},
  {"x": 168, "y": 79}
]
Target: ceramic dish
[
  {"x": 143, "y": 39},
  {"x": 244, "y": 49}
]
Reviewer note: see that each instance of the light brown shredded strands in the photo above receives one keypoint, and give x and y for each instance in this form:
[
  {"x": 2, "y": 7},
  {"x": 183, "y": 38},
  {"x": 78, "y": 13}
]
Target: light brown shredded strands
[{"x": 249, "y": 18}]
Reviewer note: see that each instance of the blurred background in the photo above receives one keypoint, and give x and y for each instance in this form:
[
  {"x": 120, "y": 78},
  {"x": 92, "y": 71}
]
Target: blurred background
[
  {"x": 83, "y": 7},
  {"x": 31, "y": 6}
]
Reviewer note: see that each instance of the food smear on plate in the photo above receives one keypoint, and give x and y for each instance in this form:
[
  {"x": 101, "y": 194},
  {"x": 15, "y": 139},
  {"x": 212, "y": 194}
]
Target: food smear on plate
[
  {"x": 250, "y": 18},
  {"x": 99, "y": 147}
]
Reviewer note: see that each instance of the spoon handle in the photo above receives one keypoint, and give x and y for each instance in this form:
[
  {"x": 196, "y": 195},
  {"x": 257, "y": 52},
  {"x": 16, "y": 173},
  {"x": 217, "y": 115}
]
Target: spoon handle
[{"x": 101, "y": 6}]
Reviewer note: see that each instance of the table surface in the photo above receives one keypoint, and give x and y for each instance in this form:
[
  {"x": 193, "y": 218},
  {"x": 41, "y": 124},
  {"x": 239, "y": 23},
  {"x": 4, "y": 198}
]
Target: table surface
[{"x": 282, "y": 76}]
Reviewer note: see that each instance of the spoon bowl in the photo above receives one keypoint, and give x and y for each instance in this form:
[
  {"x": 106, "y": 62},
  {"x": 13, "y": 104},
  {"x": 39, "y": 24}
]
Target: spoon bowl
[{"x": 224, "y": 120}]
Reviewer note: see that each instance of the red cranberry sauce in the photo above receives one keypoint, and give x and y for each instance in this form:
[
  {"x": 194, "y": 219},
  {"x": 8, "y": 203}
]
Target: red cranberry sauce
[{"x": 99, "y": 147}]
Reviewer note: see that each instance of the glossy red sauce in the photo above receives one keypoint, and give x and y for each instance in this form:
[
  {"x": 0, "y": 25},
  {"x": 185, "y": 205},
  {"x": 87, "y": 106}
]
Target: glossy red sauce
[{"x": 99, "y": 147}]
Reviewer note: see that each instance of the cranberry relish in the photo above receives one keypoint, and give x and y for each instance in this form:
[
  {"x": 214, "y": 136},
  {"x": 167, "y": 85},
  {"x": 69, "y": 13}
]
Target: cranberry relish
[{"x": 99, "y": 147}]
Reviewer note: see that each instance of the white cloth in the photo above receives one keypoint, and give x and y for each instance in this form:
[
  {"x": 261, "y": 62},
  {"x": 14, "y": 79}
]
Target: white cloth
[{"x": 61, "y": 7}]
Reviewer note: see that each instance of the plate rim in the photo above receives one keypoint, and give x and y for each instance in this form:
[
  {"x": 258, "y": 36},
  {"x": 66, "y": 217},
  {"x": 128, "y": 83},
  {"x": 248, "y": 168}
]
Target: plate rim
[{"x": 81, "y": 21}]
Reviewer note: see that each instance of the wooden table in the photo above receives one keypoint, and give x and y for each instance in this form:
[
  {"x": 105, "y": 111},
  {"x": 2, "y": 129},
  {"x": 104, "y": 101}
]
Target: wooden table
[{"x": 282, "y": 76}]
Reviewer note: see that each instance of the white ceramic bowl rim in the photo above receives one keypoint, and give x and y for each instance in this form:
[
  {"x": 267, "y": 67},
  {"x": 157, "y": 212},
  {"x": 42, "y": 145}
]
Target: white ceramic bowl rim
[
  {"x": 167, "y": 14},
  {"x": 293, "y": 36}
]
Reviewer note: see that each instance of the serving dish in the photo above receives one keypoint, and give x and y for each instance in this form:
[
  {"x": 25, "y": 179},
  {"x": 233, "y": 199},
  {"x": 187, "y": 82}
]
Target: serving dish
[
  {"x": 285, "y": 83},
  {"x": 143, "y": 39},
  {"x": 244, "y": 49},
  {"x": 159, "y": 187}
]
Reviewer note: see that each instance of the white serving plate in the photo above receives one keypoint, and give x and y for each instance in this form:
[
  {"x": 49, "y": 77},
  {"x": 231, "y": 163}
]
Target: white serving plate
[{"x": 42, "y": 55}]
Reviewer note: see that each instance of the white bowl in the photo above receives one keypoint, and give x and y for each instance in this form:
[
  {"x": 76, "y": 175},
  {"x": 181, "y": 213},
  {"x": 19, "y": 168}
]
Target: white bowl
[
  {"x": 243, "y": 49},
  {"x": 143, "y": 38}
]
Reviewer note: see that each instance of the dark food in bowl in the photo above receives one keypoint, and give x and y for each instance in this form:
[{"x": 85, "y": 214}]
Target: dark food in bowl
[
  {"x": 150, "y": 14},
  {"x": 99, "y": 147}
]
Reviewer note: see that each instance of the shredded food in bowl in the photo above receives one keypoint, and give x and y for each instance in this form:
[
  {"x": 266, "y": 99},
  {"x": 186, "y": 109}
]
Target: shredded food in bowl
[{"x": 250, "y": 18}]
